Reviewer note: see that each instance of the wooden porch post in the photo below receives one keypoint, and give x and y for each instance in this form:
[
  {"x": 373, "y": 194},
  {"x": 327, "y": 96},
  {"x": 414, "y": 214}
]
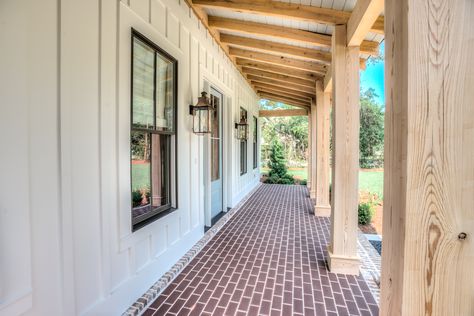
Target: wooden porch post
[
  {"x": 428, "y": 224},
  {"x": 314, "y": 150},
  {"x": 309, "y": 182},
  {"x": 322, "y": 122},
  {"x": 345, "y": 122}
]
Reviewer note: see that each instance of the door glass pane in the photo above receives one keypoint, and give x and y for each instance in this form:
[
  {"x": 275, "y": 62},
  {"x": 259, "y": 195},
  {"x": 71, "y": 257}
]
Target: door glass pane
[
  {"x": 143, "y": 87},
  {"x": 215, "y": 140},
  {"x": 164, "y": 94}
]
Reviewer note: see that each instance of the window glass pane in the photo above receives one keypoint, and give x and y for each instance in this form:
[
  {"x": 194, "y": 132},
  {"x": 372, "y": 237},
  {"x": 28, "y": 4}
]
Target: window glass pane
[
  {"x": 141, "y": 166},
  {"x": 143, "y": 85},
  {"x": 164, "y": 94},
  {"x": 160, "y": 170}
]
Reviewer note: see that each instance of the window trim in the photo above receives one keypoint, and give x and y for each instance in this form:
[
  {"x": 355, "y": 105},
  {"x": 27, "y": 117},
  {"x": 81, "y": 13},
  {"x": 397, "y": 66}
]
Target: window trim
[{"x": 172, "y": 205}]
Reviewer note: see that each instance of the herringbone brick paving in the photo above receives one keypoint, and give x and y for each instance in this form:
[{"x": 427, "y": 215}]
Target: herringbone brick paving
[{"x": 269, "y": 259}]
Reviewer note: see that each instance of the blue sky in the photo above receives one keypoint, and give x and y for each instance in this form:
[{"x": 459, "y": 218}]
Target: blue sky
[{"x": 373, "y": 77}]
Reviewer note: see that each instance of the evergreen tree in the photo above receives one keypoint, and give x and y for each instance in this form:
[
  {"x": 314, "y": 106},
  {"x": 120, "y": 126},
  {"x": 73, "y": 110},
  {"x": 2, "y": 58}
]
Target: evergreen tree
[{"x": 278, "y": 170}]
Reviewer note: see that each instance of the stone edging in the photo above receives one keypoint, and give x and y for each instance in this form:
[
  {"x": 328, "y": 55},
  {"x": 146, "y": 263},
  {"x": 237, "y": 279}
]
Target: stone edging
[
  {"x": 142, "y": 303},
  {"x": 370, "y": 264}
]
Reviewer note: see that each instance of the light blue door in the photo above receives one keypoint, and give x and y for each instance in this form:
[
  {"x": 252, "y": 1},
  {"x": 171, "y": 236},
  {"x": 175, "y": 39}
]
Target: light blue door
[{"x": 216, "y": 154}]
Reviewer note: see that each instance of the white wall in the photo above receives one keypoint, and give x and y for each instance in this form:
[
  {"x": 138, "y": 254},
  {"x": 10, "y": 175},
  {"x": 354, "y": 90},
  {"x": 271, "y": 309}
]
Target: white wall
[{"x": 66, "y": 246}]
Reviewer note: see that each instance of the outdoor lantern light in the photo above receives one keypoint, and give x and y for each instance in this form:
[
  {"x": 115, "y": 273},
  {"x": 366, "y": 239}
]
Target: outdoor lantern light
[
  {"x": 242, "y": 128},
  {"x": 202, "y": 115}
]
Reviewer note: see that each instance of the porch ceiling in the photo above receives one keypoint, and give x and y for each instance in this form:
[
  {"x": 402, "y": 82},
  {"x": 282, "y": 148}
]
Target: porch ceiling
[{"x": 289, "y": 41}]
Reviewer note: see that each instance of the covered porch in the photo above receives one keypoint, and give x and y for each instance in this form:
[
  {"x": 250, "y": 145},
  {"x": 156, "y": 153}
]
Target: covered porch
[{"x": 267, "y": 257}]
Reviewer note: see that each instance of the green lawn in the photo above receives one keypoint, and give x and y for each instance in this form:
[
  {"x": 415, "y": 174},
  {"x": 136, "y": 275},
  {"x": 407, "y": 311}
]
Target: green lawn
[
  {"x": 140, "y": 176},
  {"x": 371, "y": 181}
]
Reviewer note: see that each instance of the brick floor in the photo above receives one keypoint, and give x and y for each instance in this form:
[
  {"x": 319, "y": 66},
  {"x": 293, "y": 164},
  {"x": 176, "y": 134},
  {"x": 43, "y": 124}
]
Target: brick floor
[{"x": 269, "y": 259}]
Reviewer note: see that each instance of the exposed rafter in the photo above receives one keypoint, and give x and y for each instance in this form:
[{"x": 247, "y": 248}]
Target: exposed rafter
[
  {"x": 279, "y": 83},
  {"x": 279, "y": 48},
  {"x": 279, "y": 60},
  {"x": 362, "y": 18},
  {"x": 290, "y": 101},
  {"x": 277, "y": 69},
  {"x": 279, "y": 77},
  {"x": 282, "y": 113},
  {"x": 271, "y": 87},
  {"x": 323, "y": 40},
  {"x": 287, "y": 10}
]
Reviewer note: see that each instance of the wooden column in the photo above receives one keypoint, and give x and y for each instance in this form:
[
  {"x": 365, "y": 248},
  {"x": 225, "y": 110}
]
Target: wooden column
[
  {"x": 323, "y": 125},
  {"x": 310, "y": 152},
  {"x": 345, "y": 122},
  {"x": 314, "y": 150},
  {"x": 428, "y": 224}
]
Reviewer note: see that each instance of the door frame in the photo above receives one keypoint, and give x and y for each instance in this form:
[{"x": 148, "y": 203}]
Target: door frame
[{"x": 207, "y": 81}]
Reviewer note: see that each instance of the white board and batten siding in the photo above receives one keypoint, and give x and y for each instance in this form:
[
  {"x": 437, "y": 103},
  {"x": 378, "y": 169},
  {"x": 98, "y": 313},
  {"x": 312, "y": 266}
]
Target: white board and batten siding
[{"x": 66, "y": 246}]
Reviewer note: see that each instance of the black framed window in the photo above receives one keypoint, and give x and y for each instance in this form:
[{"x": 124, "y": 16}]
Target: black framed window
[
  {"x": 243, "y": 146},
  {"x": 153, "y": 129},
  {"x": 254, "y": 139}
]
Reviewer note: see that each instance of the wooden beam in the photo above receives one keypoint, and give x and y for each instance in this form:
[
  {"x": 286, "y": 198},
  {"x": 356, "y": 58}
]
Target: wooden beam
[
  {"x": 281, "y": 113},
  {"x": 428, "y": 211},
  {"x": 362, "y": 19},
  {"x": 288, "y": 92},
  {"x": 284, "y": 96},
  {"x": 279, "y": 83},
  {"x": 287, "y": 10},
  {"x": 277, "y": 69},
  {"x": 342, "y": 250},
  {"x": 282, "y": 100},
  {"x": 279, "y": 60},
  {"x": 275, "y": 47},
  {"x": 274, "y": 31},
  {"x": 279, "y": 77}
]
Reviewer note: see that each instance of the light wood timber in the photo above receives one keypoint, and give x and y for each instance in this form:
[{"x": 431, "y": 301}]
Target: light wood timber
[
  {"x": 312, "y": 155},
  {"x": 429, "y": 167},
  {"x": 323, "y": 125},
  {"x": 342, "y": 250},
  {"x": 277, "y": 69},
  {"x": 285, "y": 96},
  {"x": 278, "y": 60},
  {"x": 291, "y": 11},
  {"x": 278, "y": 98},
  {"x": 279, "y": 83},
  {"x": 362, "y": 19},
  {"x": 282, "y": 89},
  {"x": 281, "y": 113},
  {"x": 246, "y": 27},
  {"x": 279, "y": 77}
]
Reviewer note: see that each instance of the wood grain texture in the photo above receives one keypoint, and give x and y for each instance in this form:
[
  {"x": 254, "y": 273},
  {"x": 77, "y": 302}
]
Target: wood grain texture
[
  {"x": 281, "y": 113},
  {"x": 345, "y": 70},
  {"x": 290, "y": 92},
  {"x": 279, "y": 60},
  {"x": 276, "y": 76},
  {"x": 285, "y": 96},
  {"x": 362, "y": 19},
  {"x": 277, "y": 69},
  {"x": 298, "y": 12},
  {"x": 277, "y": 98},
  {"x": 288, "y": 85},
  {"x": 429, "y": 159},
  {"x": 322, "y": 139},
  {"x": 312, "y": 154}
]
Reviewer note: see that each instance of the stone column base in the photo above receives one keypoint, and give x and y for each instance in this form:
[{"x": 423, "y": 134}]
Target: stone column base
[
  {"x": 343, "y": 264},
  {"x": 322, "y": 210}
]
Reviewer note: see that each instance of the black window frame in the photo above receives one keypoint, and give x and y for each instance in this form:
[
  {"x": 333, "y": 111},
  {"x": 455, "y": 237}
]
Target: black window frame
[
  {"x": 255, "y": 142},
  {"x": 243, "y": 145},
  {"x": 172, "y": 204}
]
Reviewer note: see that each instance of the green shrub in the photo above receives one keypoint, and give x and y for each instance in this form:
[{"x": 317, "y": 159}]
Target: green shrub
[
  {"x": 366, "y": 211},
  {"x": 303, "y": 182},
  {"x": 278, "y": 173},
  {"x": 137, "y": 196}
]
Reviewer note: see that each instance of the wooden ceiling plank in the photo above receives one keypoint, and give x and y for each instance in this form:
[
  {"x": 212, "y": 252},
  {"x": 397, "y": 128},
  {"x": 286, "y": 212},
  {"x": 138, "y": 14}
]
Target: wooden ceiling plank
[
  {"x": 296, "y": 93},
  {"x": 277, "y": 98},
  {"x": 292, "y": 11}
]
